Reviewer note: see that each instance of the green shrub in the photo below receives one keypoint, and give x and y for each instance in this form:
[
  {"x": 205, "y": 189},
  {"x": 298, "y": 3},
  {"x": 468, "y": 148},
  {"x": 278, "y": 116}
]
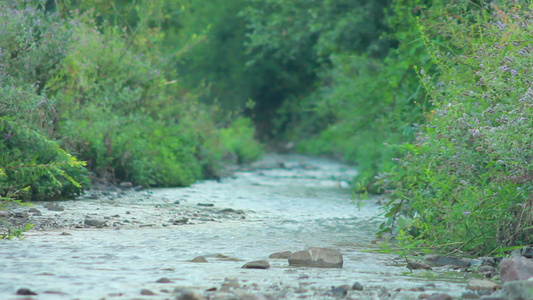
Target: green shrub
[
  {"x": 466, "y": 181},
  {"x": 238, "y": 139},
  {"x": 35, "y": 168}
]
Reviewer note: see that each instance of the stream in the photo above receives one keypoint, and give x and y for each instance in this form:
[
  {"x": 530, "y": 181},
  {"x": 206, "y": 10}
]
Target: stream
[{"x": 282, "y": 203}]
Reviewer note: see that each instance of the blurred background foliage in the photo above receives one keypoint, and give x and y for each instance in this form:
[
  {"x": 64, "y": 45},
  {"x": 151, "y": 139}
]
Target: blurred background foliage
[{"x": 162, "y": 93}]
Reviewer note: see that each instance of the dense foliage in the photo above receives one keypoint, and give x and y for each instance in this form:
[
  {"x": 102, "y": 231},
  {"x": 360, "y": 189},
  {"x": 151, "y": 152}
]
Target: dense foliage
[
  {"x": 431, "y": 99},
  {"x": 466, "y": 180},
  {"x": 94, "y": 87}
]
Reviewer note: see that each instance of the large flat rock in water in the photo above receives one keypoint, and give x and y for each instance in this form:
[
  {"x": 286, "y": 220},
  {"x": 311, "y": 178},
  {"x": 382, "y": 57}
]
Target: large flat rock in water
[{"x": 316, "y": 257}]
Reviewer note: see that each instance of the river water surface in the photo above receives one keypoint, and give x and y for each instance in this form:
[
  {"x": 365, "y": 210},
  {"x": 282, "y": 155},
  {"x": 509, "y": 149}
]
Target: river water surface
[{"x": 289, "y": 202}]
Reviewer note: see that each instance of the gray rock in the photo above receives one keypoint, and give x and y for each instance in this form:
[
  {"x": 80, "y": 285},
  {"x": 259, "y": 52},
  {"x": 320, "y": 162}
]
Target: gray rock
[
  {"x": 280, "y": 255},
  {"x": 258, "y": 264},
  {"x": 54, "y": 206},
  {"x": 516, "y": 268},
  {"x": 94, "y": 222},
  {"x": 491, "y": 298},
  {"x": 518, "y": 290},
  {"x": 417, "y": 265},
  {"x": 34, "y": 210},
  {"x": 317, "y": 257},
  {"x": 147, "y": 292},
  {"x": 338, "y": 292},
  {"x": 4, "y": 214},
  {"x": 527, "y": 252},
  {"x": 177, "y": 202},
  {"x": 180, "y": 221},
  {"x": 357, "y": 286},
  {"x": 21, "y": 215},
  {"x": 439, "y": 260},
  {"x": 200, "y": 259},
  {"x": 476, "y": 285},
  {"x": 470, "y": 295},
  {"x": 186, "y": 295},
  {"x": 163, "y": 280},
  {"x": 206, "y": 204},
  {"x": 440, "y": 297},
  {"x": 26, "y": 292}
]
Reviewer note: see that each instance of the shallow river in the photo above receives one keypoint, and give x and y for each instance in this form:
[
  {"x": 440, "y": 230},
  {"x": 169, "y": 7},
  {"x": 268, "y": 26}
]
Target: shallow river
[{"x": 302, "y": 204}]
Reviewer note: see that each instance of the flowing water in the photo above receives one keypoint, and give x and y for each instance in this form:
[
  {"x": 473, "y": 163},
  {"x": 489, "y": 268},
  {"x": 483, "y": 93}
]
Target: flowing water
[{"x": 289, "y": 202}]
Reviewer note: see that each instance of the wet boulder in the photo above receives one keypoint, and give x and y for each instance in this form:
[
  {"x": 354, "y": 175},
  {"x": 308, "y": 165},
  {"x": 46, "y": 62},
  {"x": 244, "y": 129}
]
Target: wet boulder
[
  {"x": 516, "y": 268},
  {"x": 518, "y": 290},
  {"x": 317, "y": 257}
]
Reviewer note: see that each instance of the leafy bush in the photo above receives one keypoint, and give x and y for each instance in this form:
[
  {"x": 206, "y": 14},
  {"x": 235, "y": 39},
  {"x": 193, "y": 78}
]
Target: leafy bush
[
  {"x": 34, "y": 168},
  {"x": 238, "y": 139},
  {"x": 466, "y": 181}
]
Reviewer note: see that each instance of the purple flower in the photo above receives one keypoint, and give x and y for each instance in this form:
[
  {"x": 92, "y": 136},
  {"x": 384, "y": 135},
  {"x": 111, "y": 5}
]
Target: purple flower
[{"x": 8, "y": 136}]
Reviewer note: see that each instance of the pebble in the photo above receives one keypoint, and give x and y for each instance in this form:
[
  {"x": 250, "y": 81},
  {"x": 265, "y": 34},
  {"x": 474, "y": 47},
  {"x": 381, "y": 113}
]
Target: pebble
[
  {"x": 357, "y": 286},
  {"x": 180, "y": 221},
  {"x": 65, "y": 233},
  {"x": 25, "y": 292},
  {"x": 340, "y": 291},
  {"x": 440, "y": 297},
  {"x": 415, "y": 265},
  {"x": 147, "y": 292},
  {"x": 163, "y": 280},
  {"x": 258, "y": 264},
  {"x": 186, "y": 295},
  {"x": 206, "y": 204},
  {"x": 199, "y": 259}
]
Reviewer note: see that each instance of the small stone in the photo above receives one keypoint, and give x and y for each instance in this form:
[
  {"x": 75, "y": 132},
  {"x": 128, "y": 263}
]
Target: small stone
[
  {"x": 177, "y": 202},
  {"x": 470, "y": 295},
  {"x": 439, "y": 260},
  {"x": 476, "y": 285},
  {"x": 485, "y": 269},
  {"x": 94, "y": 222},
  {"x": 258, "y": 264},
  {"x": 186, "y": 295},
  {"x": 26, "y": 292},
  {"x": 147, "y": 292},
  {"x": 21, "y": 215},
  {"x": 163, "y": 280},
  {"x": 303, "y": 276},
  {"x": 340, "y": 291},
  {"x": 491, "y": 298},
  {"x": 54, "y": 206},
  {"x": 199, "y": 259},
  {"x": 424, "y": 296},
  {"x": 65, "y": 233},
  {"x": 180, "y": 221},
  {"x": 317, "y": 257},
  {"x": 34, "y": 210},
  {"x": 4, "y": 214},
  {"x": 527, "y": 252},
  {"x": 357, "y": 286},
  {"x": 416, "y": 265},
  {"x": 206, "y": 204},
  {"x": 418, "y": 289},
  {"x": 440, "y": 297},
  {"x": 280, "y": 255}
]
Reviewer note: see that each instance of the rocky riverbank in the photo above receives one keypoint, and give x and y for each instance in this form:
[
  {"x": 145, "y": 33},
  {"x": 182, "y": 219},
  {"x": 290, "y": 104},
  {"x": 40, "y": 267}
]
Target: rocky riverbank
[{"x": 254, "y": 235}]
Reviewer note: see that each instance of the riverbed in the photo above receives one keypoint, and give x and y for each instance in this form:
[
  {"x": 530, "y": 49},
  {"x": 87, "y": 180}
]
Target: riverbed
[{"x": 281, "y": 203}]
